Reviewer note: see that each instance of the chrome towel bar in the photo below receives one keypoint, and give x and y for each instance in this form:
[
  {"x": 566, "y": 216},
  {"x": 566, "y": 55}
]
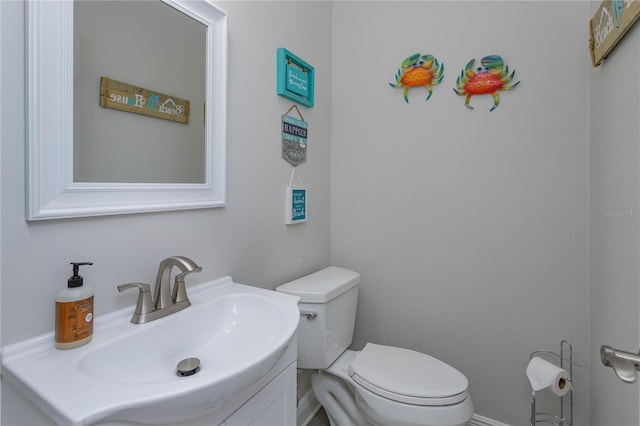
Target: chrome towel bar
[{"x": 625, "y": 364}]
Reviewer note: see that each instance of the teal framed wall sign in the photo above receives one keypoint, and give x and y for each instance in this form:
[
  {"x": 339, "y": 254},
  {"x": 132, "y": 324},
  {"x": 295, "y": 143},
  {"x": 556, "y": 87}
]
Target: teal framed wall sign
[
  {"x": 295, "y": 210},
  {"x": 295, "y": 78},
  {"x": 296, "y": 199}
]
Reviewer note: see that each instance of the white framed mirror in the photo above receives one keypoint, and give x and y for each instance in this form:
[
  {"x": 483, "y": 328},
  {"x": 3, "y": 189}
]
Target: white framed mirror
[{"x": 52, "y": 190}]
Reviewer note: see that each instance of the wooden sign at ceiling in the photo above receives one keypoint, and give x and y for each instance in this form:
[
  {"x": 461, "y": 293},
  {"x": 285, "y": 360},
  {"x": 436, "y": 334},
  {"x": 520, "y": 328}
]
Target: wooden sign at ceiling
[{"x": 610, "y": 23}]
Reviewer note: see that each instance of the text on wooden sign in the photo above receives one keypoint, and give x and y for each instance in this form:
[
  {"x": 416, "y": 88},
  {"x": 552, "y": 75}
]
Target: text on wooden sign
[{"x": 125, "y": 97}]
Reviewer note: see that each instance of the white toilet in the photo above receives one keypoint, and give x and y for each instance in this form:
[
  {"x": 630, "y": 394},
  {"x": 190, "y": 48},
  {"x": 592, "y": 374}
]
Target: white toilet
[{"x": 380, "y": 385}]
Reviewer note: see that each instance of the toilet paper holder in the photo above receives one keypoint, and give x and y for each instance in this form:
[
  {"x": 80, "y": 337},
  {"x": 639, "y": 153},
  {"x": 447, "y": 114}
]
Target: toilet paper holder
[{"x": 565, "y": 360}]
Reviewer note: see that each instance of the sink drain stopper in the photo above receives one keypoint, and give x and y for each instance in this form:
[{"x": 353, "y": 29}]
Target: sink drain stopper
[{"x": 188, "y": 367}]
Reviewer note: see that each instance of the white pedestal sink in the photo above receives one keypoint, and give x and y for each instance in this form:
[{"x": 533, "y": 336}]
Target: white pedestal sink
[{"x": 128, "y": 372}]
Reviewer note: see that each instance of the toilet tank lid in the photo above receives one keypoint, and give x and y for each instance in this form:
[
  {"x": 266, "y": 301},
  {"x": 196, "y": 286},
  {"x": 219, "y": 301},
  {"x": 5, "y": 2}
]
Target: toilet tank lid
[{"x": 321, "y": 286}]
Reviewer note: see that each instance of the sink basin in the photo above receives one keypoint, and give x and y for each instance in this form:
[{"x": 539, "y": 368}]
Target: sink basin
[
  {"x": 230, "y": 334},
  {"x": 128, "y": 372}
]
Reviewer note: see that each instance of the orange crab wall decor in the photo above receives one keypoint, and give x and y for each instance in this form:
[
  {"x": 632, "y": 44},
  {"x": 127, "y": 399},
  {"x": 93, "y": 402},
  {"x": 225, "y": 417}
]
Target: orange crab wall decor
[
  {"x": 488, "y": 79},
  {"x": 418, "y": 70}
]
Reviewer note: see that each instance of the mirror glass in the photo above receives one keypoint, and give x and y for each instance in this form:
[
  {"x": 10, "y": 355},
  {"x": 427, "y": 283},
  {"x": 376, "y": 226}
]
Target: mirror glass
[
  {"x": 126, "y": 107},
  {"x": 147, "y": 44}
]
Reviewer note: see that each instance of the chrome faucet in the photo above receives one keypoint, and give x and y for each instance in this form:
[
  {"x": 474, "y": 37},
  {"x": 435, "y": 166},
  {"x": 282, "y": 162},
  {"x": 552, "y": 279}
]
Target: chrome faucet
[{"x": 166, "y": 300}]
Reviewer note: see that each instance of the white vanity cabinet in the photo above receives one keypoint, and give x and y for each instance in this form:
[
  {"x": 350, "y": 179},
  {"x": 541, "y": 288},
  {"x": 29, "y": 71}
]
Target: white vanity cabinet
[
  {"x": 272, "y": 405},
  {"x": 275, "y": 404}
]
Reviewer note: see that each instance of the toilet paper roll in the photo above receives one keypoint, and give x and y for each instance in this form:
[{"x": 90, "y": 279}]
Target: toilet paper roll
[{"x": 543, "y": 374}]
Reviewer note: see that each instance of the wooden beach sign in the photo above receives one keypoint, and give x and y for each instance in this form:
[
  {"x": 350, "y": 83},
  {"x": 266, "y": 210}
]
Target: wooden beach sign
[
  {"x": 125, "y": 97},
  {"x": 610, "y": 23}
]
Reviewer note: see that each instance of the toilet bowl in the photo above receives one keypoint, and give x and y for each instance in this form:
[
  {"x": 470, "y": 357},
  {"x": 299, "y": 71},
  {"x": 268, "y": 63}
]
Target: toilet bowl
[
  {"x": 380, "y": 385},
  {"x": 395, "y": 399}
]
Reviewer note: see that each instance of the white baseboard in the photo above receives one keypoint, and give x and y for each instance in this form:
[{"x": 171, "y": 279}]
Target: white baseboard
[
  {"x": 478, "y": 420},
  {"x": 308, "y": 406}
]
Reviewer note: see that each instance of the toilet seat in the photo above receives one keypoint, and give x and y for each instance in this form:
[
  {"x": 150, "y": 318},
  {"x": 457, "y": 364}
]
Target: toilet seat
[{"x": 407, "y": 376}]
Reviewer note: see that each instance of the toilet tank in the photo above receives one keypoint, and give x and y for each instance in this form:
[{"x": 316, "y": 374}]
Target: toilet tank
[{"x": 332, "y": 295}]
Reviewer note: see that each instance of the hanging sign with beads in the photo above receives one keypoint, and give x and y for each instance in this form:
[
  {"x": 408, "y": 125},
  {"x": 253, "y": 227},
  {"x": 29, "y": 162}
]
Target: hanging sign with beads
[
  {"x": 294, "y": 138},
  {"x": 295, "y": 202}
]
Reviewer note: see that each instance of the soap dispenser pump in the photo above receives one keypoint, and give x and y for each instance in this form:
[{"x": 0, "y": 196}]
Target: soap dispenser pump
[{"x": 74, "y": 312}]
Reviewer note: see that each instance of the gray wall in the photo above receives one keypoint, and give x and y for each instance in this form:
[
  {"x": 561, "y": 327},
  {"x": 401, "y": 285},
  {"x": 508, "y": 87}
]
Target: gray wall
[
  {"x": 470, "y": 228},
  {"x": 615, "y": 231},
  {"x": 247, "y": 239}
]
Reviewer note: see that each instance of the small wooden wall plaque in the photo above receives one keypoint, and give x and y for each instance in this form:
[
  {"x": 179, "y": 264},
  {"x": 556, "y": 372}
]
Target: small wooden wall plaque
[
  {"x": 610, "y": 23},
  {"x": 125, "y": 97}
]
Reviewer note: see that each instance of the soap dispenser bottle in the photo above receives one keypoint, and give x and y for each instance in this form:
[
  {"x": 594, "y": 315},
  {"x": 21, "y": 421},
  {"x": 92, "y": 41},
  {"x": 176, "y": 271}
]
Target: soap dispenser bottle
[{"x": 74, "y": 312}]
